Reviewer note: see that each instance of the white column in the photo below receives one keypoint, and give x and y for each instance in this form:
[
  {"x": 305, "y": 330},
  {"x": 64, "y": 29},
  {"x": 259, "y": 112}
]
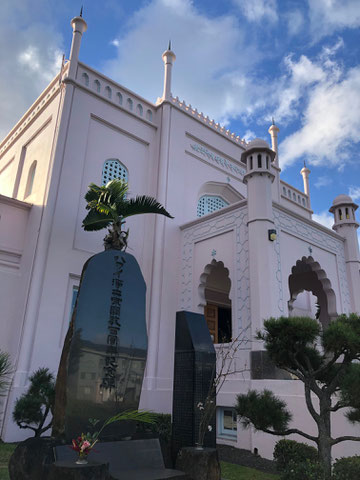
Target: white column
[
  {"x": 305, "y": 174},
  {"x": 79, "y": 27},
  {"x": 168, "y": 57}
]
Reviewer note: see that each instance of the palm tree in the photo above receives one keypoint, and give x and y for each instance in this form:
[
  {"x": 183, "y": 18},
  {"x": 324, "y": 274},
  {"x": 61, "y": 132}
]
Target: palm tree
[{"x": 108, "y": 207}]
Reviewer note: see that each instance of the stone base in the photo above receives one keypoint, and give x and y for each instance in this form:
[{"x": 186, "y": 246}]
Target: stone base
[
  {"x": 30, "y": 458},
  {"x": 72, "y": 471},
  {"x": 199, "y": 464}
]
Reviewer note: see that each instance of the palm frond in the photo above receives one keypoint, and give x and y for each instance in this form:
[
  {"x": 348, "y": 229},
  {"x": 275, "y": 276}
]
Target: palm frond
[
  {"x": 108, "y": 210},
  {"x": 96, "y": 221},
  {"x": 142, "y": 416},
  {"x": 117, "y": 188},
  {"x": 141, "y": 204},
  {"x": 94, "y": 192}
]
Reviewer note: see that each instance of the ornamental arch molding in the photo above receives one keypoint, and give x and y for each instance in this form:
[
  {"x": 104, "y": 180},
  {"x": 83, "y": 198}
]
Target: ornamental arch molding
[
  {"x": 204, "y": 277},
  {"x": 308, "y": 275}
]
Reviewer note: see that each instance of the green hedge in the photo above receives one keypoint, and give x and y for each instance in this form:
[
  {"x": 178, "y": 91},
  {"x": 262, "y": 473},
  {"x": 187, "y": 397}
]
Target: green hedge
[
  {"x": 347, "y": 468},
  {"x": 287, "y": 451},
  {"x": 305, "y": 470}
]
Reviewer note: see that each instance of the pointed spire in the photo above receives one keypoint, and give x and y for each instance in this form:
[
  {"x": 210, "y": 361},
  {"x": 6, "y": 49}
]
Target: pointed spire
[
  {"x": 169, "y": 47},
  {"x": 273, "y": 121},
  {"x": 81, "y": 11},
  {"x": 304, "y": 164}
]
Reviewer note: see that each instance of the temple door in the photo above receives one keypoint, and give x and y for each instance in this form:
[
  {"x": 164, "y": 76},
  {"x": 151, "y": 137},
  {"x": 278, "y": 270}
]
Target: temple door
[{"x": 211, "y": 317}]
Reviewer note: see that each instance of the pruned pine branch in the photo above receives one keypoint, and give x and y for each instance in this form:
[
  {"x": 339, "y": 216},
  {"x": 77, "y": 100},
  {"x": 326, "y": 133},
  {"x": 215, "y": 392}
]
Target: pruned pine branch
[
  {"x": 345, "y": 438},
  {"x": 290, "y": 431}
]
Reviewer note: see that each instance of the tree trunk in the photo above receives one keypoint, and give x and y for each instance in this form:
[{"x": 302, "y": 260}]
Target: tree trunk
[{"x": 324, "y": 439}]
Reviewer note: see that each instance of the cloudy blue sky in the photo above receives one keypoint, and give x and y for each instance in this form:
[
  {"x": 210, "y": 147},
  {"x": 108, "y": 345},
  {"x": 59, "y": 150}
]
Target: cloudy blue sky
[{"x": 239, "y": 61}]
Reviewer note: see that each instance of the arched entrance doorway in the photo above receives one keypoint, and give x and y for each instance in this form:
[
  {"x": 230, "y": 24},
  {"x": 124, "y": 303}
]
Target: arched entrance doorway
[
  {"x": 308, "y": 276},
  {"x": 214, "y": 291}
]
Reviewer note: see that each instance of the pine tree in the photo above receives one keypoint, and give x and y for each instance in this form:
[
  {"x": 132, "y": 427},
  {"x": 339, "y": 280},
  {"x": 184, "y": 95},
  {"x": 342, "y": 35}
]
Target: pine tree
[{"x": 325, "y": 361}]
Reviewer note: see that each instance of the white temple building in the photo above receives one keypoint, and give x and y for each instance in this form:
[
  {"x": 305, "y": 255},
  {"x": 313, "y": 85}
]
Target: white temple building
[{"x": 242, "y": 247}]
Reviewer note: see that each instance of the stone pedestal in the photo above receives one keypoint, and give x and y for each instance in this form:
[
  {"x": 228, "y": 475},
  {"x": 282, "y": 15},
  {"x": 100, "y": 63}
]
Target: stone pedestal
[
  {"x": 71, "y": 471},
  {"x": 199, "y": 464}
]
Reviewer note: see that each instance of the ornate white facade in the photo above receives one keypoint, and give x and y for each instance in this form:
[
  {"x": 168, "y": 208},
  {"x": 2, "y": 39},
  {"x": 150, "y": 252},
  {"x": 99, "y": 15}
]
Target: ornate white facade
[{"x": 84, "y": 128}]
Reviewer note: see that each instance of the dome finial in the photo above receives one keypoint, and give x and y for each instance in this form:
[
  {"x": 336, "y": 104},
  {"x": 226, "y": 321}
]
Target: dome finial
[
  {"x": 81, "y": 11},
  {"x": 272, "y": 120},
  {"x": 169, "y": 47}
]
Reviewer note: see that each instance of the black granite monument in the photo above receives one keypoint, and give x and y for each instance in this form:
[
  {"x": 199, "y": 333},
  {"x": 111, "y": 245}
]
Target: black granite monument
[
  {"x": 194, "y": 370},
  {"x": 107, "y": 355}
]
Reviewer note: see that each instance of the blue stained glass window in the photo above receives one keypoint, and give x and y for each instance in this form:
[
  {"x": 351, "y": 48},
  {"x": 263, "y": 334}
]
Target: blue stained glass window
[
  {"x": 113, "y": 169},
  {"x": 209, "y": 204}
]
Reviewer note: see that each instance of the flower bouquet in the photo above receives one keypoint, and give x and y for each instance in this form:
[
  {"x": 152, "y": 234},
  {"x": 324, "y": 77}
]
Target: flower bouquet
[
  {"x": 85, "y": 442},
  {"x": 83, "y": 445}
]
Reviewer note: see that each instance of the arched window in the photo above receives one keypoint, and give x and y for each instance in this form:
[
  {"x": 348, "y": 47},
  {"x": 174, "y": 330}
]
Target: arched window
[
  {"x": 251, "y": 163},
  {"x": 119, "y": 98},
  {"x": 30, "y": 179},
  {"x": 347, "y": 213},
  {"x": 97, "y": 85},
  {"x": 129, "y": 103},
  {"x": 340, "y": 214},
  {"x": 284, "y": 191},
  {"x": 267, "y": 162},
  {"x": 139, "y": 110},
  {"x": 85, "y": 79},
  {"x": 209, "y": 204},
  {"x": 149, "y": 115},
  {"x": 113, "y": 169},
  {"x": 259, "y": 161},
  {"x": 108, "y": 92}
]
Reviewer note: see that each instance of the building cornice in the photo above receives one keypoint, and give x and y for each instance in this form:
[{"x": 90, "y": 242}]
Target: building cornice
[
  {"x": 32, "y": 113},
  {"x": 14, "y": 202},
  {"x": 218, "y": 213},
  {"x": 308, "y": 221}
]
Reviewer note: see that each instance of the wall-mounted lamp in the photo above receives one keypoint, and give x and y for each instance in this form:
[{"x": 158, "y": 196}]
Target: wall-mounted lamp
[{"x": 272, "y": 235}]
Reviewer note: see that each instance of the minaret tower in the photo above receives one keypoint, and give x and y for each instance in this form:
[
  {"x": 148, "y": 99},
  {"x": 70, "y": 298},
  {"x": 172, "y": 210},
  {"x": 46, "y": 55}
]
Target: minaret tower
[
  {"x": 274, "y": 130},
  {"x": 345, "y": 224},
  {"x": 305, "y": 174},
  {"x": 169, "y": 57},
  {"x": 79, "y": 26},
  {"x": 262, "y": 262}
]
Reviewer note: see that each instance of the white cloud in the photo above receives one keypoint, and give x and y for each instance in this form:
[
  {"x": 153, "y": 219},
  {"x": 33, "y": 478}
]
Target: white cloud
[
  {"x": 295, "y": 21},
  {"x": 323, "y": 181},
  {"x": 249, "y": 135},
  {"x": 115, "y": 42},
  {"x": 209, "y": 71},
  {"x": 258, "y": 10},
  {"x": 354, "y": 193},
  {"x": 30, "y": 56},
  {"x": 329, "y": 16},
  {"x": 292, "y": 87},
  {"x": 331, "y": 123},
  {"x": 325, "y": 218}
]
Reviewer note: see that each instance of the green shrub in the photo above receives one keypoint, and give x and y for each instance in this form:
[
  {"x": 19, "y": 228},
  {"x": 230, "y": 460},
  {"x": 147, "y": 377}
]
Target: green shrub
[
  {"x": 347, "y": 468},
  {"x": 287, "y": 451},
  {"x": 305, "y": 470},
  {"x": 160, "y": 427}
]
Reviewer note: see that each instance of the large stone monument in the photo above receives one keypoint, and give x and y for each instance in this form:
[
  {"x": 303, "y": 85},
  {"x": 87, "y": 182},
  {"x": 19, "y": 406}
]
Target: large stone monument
[
  {"x": 194, "y": 371},
  {"x": 103, "y": 360}
]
